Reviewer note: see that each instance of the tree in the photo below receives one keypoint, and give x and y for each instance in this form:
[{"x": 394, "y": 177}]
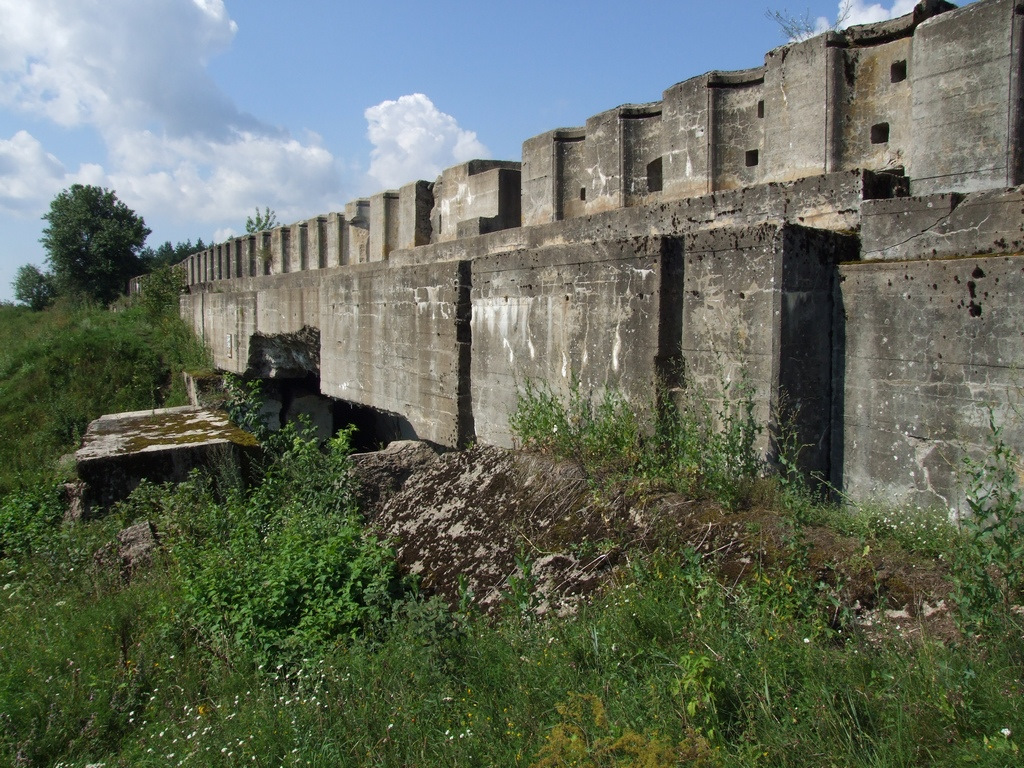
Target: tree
[
  {"x": 33, "y": 287},
  {"x": 93, "y": 242},
  {"x": 797, "y": 28},
  {"x": 264, "y": 221},
  {"x": 168, "y": 255}
]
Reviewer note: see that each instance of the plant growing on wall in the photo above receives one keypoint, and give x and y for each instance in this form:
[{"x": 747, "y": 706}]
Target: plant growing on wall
[
  {"x": 260, "y": 222},
  {"x": 797, "y": 28}
]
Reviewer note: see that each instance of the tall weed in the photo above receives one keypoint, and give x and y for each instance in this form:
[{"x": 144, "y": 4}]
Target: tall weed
[
  {"x": 989, "y": 568},
  {"x": 685, "y": 442}
]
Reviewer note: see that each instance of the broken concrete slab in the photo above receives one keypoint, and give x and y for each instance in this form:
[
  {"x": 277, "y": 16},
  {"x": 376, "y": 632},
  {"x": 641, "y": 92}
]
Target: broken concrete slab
[{"x": 120, "y": 450}]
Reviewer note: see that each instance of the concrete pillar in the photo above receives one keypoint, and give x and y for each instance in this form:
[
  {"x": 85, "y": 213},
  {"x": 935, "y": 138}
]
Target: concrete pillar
[
  {"x": 737, "y": 137},
  {"x": 686, "y": 140},
  {"x": 264, "y": 253},
  {"x": 414, "y": 203},
  {"x": 279, "y": 244},
  {"x": 357, "y": 214},
  {"x": 540, "y": 181},
  {"x": 297, "y": 247},
  {"x": 335, "y": 239},
  {"x": 383, "y": 225},
  {"x": 316, "y": 246}
]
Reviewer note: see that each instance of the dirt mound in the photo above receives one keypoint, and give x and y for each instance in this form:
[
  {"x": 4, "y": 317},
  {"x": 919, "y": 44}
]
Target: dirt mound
[{"x": 488, "y": 523}]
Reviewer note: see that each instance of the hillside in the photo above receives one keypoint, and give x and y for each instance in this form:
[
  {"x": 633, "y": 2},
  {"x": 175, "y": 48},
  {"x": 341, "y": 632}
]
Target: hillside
[{"x": 613, "y": 597}]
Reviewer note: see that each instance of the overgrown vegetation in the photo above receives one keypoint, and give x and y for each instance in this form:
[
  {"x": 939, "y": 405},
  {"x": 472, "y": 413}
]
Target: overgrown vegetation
[
  {"x": 68, "y": 365},
  {"x": 690, "y": 443},
  {"x": 273, "y": 628}
]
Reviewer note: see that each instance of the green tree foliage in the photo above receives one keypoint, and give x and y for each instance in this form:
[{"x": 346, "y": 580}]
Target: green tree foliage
[
  {"x": 261, "y": 222},
  {"x": 168, "y": 255},
  {"x": 33, "y": 287},
  {"x": 161, "y": 289},
  {"x": 93, "y": 242}
]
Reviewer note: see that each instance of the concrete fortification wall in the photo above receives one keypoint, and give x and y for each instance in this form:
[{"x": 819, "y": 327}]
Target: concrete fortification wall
[{"x": 840, "y": 227}]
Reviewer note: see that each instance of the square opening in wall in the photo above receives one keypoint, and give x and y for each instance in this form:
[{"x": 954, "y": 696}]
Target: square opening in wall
[
  {"x": 880, "y": 133},
  {"x": 760, "y": 108},
  {"x": 898, "y": 71},
  {"x": 752, "y": 158}
]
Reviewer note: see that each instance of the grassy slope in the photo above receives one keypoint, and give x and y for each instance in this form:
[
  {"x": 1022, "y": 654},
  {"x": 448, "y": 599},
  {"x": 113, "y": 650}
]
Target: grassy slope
[
  {"x": 669, "y": 667},
  {"x": 61, "y": 368}
]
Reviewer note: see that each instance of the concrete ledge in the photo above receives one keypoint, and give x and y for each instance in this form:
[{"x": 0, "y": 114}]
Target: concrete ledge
[{"x": 943, "y": 225}]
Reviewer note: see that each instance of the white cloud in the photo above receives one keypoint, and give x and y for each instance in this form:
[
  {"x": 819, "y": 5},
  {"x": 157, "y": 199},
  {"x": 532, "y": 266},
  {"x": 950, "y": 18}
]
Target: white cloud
[
  {"x": 860, "y": 12},
  {"x": 412, "y": 139},
  {"x": 136, "y": 73},
  {"x": 852, "y": 12},
  {"x": 30, "y": 176}
]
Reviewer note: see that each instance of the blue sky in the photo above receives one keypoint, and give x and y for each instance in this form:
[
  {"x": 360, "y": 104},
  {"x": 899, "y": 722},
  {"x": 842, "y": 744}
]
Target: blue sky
[{"x": 196, "y": 111}]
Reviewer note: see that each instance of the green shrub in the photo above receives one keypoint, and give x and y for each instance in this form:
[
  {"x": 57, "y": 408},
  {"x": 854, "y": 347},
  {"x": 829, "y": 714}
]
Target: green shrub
[
  {"x": 989, "y": 571},
  {"x": 286, "y": 568},
  {"x": 28, "y": 520},
  {"x": 684, "y": 442}
]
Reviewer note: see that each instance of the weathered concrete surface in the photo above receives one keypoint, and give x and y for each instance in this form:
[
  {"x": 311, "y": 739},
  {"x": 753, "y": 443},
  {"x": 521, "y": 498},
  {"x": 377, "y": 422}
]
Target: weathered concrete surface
[
  {"x": 284, "y": 355},
  {"x": 586, "y": 313},
  {"x": 929, "y": 347},
  {"x": 943, "y": 225},
  {"x": 966, "y": 104},
  {"x": 738, "y": 168},
  {"x": 757, "y": 313},
  {"x": 120, "y": 450},
  {"x": 395, "y": 338}
]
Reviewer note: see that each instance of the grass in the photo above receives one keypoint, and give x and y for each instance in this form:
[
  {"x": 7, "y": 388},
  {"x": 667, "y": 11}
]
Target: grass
[
  {"x": 273, "y": 630},
  {"x": 63, "y": 367}
]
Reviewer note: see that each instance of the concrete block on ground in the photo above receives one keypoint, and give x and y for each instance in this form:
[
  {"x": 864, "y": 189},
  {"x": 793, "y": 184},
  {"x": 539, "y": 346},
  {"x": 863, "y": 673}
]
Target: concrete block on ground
[{"x": 122, "y": 449}]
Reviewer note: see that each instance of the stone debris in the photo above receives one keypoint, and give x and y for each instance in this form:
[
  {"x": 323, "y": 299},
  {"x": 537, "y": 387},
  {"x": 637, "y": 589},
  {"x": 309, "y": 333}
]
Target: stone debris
[{"x": 132, "y": 550}]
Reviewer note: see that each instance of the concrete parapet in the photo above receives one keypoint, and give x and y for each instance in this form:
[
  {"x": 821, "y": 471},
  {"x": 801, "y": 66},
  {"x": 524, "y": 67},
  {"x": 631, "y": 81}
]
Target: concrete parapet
[
  {"x": 415, "y": 201},
  {"x": 832, "y": 201},
  {"x": 966, "y": 110},
  {"x": 736, "y": 129},
  {"x": 384, "y": 214},
  {"x": 943, "y": 225},
  {"x": 484, "y": 190},
  {"x": 357, "y": 218},
  {"x": 335, "y": 239},
  {"x": 298, "y": 247}
]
